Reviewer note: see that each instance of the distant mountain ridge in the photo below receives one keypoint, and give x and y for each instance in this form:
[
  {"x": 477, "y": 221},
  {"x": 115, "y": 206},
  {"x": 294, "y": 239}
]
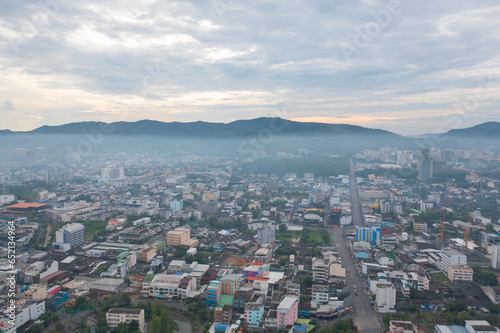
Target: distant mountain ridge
[
  {"x": 263, "y": 125},
  {"x": 489, "y": 129}
]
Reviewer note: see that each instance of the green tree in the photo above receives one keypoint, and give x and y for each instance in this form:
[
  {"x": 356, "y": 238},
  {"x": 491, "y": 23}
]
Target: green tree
[
  {"x": 124, "y": 299},
  {"x": 156, "y": 325},
  {"x": 133, "y": 326},
  {"x": 387, "y": 319},
  {"x": 37, "y": 328},
  {"x": 307, "y": 281}
]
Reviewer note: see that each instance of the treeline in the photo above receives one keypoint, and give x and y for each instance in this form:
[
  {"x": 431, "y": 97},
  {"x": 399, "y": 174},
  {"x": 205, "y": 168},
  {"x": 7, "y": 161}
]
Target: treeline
[{"x": 320, "y": 166}]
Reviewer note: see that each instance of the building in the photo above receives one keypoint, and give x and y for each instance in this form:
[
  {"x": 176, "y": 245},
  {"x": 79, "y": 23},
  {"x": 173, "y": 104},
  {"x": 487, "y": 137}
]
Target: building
[
  {"x": 263, "y": 255},
  {"x": 163, "y": 286},
  {"x": 321, "y": 270},
  {"x": 452, "y": 257},
  {"x": 385, "y": 297},
  {"x": 113, "y": 173},
  {"x": 72, "y": 234},
  {"x": 178, "y": 236},
  {"x": 176, "y": 205},
  {"x": 495, "y": 257},
  {"x": 57, "y": 302},
  {"x": 425, "y": 165},
  {"x": 6, "y": 198},
  {"x": 480, "y": 326},
  {"x": 223, "y": 314},
  {"x": 241, "y": 298},
  {"x": 320, "y": 294},
  {"x": 368, "y": 234},
  {"x": 36, "y": 292},
  {"x": 396, "y": 326},
  {"x": 420, "y": 227},
  {"x": 288, "y": 312},
  {"x": 230, "y": 284},
  {"x": 116, "y": 316},
  {"x": 213, "y": 293},
  {"x": 254, "y": 312},
  {"x": 460, "y": 273},
  {"x": 266, "y": 235},
  {"x": 147, "y": 253}
]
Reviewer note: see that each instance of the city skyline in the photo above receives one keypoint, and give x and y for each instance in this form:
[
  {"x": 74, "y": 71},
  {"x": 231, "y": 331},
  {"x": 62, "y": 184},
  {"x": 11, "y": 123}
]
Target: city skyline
[{"x": 403, "y": 66}]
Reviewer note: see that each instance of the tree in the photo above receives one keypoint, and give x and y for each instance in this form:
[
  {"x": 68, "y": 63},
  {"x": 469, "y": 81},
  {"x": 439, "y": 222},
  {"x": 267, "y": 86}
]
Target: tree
[
  {"x": 37, "y": 328},
  {"x": 307, "y": 281},
  {"x": 124, "y": 299},
  {"x": 80, "y": 303},
  {"x": 133, "y": 326},
  {"x": 127, "y": 281},
  {"x": 387, "y": 319},
  {"x": 156, "y": 325}
]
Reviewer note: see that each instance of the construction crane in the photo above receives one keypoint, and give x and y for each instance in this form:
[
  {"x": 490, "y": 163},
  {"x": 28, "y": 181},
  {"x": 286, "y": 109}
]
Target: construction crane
[
  {"x": 441, "y": 221},
  {"x": 466, "y": 235}
]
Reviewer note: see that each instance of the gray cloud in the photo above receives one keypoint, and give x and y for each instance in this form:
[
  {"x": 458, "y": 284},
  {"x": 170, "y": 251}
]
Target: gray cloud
[
  {"x": 8, "y": 106},
  {"x": 417, "y": 66}
]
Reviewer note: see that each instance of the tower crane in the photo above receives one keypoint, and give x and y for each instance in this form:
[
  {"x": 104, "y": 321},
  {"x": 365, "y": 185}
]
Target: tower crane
[{"x": 466, "y": 235}]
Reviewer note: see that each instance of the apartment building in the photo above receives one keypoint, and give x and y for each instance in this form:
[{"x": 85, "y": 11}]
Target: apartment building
[
  {"x": 460, "y": 273},
  {"x": 452, "y": 257},
  {"x": 116, "y": 316},
  {"x": 288, "y": 312},
  {"x": 178, "y": 236}
]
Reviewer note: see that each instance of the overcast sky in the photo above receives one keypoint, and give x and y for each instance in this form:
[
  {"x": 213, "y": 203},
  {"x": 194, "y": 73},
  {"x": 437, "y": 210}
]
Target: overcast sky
[{"x": 403, "y": 66}]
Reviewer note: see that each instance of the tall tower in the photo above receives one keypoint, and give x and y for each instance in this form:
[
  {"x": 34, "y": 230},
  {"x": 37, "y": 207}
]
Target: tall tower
[{"x": 425, "y": 165}]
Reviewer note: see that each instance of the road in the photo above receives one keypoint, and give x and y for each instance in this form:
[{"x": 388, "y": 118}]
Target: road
[
  {"x": 365, "y": 316},
  {"x": 356, "y": 210}
]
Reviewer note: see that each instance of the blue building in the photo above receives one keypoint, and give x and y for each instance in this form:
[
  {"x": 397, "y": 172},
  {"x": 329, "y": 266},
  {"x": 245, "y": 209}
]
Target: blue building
[
  {"x": 57, "y": 302},
  {"x": 368, "y": 234}
]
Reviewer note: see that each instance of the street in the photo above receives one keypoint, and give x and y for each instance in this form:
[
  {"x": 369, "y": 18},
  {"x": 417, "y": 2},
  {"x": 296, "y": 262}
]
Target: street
[{"x": 365, "y": 316}]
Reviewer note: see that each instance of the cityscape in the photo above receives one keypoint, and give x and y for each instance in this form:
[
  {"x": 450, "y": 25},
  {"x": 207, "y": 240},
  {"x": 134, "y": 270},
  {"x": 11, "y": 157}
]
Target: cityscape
[
  {"x": 393, "y": 239},
  {"x": 237, "y": 166}
]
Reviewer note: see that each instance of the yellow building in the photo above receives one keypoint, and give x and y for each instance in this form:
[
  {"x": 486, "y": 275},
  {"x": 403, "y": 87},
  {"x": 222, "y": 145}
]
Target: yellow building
[
  {"x": 36, "y": 292},
  {"x": 460, "y": 273},
  {"x": 178, "y": 236},
  {"x": 147, "y": 254},
  {"x": 116, "y": 316}
]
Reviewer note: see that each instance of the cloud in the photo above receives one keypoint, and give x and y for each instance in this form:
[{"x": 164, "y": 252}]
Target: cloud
[
  {"x": 221, "y": 60},
  {"x": 8, "y": 106}
]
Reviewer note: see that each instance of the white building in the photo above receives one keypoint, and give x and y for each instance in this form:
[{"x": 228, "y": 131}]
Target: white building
[
  {"x": 461, "y": 273},
  {"x": 113, "y": 173},
  {"x": 452, "y": 257},
  {"x": 266, "y": 235},
  {"x": 495, "y": 257},
  {"x": 480, "y": 326},
  {"x": 385, "y": 300},
  {"x": 6, "y": 198},
  {"x": 321, "y": 270},
  {"x": 72, "y": 234},
  {"x": 116, "y": 316},
  {"x": 27, "y": 311}
]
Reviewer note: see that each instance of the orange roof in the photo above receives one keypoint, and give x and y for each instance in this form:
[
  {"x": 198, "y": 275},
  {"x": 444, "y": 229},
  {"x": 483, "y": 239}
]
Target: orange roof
[{"x": 28, "y": 205}]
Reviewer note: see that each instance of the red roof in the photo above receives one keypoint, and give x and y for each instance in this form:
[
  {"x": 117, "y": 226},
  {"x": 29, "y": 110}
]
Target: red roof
[{"x": 28, "y": 205}]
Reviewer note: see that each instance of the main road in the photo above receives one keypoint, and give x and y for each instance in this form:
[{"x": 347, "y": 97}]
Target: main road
[{"x": 365, "y": 316}]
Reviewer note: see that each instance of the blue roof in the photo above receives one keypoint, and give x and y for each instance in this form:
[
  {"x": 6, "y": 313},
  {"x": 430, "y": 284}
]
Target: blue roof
[{"x": 221, "y": 327}]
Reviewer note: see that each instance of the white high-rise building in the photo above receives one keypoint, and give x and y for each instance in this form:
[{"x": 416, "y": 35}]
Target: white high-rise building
[
  {"x": 385, "y": 297},
  {"x": 452, "y": 257},
  {"x": 495, "y": 258},
  {"x": 73, "y": 234},
  {"x": 266, "y": 235},
  {"x": 113, "y": 173}
]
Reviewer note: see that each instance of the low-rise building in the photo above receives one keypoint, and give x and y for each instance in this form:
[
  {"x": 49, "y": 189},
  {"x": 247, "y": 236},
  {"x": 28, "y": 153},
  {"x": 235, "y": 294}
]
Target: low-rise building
[
  {"x": 460, "y": 273},
  {"x": 116, "y": 316}
]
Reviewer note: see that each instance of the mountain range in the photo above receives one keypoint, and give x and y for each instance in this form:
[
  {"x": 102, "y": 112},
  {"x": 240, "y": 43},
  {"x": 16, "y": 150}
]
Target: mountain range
[
  {"x": 263, "y": 125},
  {"x": 277, "y": 126}
]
